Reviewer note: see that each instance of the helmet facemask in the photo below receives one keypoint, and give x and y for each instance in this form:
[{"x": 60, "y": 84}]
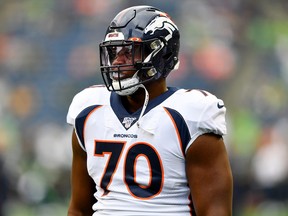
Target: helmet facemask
[{"x": 127, "y": 64}]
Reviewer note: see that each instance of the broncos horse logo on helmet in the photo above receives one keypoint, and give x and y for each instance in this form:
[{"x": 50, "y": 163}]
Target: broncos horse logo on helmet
[
  {"x": 140, "y": 29},
  {"x": 160, "y": 23}
]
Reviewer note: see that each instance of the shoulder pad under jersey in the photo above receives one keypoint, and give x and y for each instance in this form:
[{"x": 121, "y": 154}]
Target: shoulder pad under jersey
[{"x": 94, "y": 95}]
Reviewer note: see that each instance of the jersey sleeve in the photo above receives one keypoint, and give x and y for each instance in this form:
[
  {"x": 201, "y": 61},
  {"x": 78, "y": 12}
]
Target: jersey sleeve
[
  {"x": 210, "y": 118},
  {"x": 75, "y": 108},
  {"x": 94, "y": 95}
]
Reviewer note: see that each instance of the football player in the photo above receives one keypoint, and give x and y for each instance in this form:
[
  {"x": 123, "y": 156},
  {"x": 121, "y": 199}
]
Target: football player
[{"x": 139, "y": 146}]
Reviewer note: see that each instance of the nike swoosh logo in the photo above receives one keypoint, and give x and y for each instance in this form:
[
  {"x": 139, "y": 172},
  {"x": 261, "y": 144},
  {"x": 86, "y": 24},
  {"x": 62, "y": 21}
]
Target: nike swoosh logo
[{"x": 220, "y": 105}]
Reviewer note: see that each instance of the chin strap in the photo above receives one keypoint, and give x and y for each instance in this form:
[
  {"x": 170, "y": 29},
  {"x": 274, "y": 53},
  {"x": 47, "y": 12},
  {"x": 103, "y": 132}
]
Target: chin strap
[
  {"x": 117, "y": 85},
  {"x": 146, "y": 100}
]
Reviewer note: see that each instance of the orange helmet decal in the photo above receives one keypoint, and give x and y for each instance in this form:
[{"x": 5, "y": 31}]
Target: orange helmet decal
[{"x": 135, "y": 39}]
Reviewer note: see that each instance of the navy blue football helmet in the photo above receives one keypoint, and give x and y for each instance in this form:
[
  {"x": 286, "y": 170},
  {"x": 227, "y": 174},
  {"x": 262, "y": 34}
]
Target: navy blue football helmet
[{"x": 145, "y": 32}]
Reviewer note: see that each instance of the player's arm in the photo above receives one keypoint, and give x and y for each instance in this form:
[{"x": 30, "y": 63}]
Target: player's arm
[
  {"x": 209, "y": 176},
  {"x": 82, "y": 185}
]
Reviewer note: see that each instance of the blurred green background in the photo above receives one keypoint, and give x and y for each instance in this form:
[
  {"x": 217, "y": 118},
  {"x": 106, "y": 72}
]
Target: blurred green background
[{"x": 237, "y": 49}]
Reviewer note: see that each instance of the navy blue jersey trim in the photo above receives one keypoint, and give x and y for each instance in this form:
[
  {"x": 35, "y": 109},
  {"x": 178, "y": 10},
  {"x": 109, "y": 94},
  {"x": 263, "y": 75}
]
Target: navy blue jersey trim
[
  {"x": 181, "y": 126},
  {"x": 80, "y": 121},
  {"x": 121, "y": 112}
]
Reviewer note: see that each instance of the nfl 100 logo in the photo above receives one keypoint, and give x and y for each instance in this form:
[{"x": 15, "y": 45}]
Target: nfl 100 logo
[{"x": 128, "y": 121}]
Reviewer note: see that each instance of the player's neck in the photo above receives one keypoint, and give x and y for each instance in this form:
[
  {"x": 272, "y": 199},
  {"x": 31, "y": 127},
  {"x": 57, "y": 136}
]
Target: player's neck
[{"x": 134, "y": 102}]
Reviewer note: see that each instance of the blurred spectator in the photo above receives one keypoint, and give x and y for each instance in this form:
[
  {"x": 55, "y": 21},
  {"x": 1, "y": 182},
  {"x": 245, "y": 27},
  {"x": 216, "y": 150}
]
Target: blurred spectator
[{"x": 270, "y": 163}]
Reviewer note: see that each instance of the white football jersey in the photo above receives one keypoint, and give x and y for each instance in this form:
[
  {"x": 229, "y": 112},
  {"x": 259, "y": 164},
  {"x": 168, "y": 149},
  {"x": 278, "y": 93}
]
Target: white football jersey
[{"x": 139, "y": 169}]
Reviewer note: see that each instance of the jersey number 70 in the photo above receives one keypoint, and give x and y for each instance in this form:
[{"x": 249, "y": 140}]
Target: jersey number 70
[{"x": 114, "y": 150}]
